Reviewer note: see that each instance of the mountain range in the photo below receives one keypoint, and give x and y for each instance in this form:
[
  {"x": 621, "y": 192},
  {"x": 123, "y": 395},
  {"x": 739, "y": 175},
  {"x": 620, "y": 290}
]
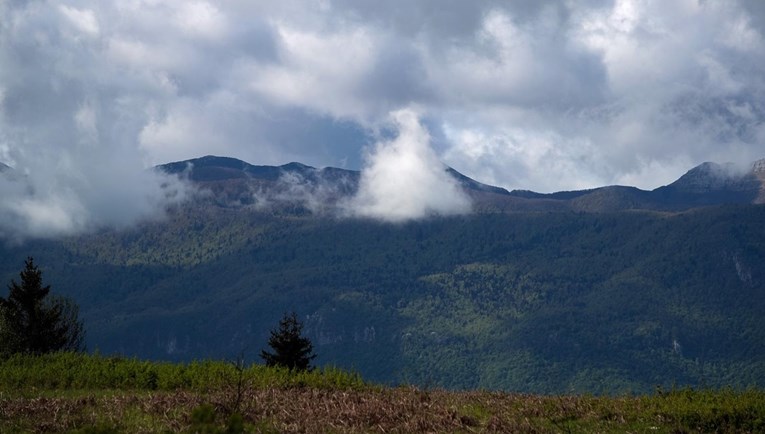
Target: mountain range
[
  {"x": 235, "y": 182},
  {"x": 610, "y": 290}
]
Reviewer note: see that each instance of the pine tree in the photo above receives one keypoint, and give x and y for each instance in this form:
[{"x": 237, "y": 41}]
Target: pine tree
[
  {"x": 291, "y": 350},
  {"x": 32, "y": 322}
]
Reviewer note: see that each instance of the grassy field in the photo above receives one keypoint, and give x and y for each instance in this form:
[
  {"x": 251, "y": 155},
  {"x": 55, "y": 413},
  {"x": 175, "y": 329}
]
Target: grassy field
[{"x": 96, "y": 394}]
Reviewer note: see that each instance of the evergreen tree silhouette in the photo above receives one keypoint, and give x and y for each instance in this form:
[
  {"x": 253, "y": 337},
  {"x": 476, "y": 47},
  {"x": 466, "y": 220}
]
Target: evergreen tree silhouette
[
  {"x": 32, "y": 322},
  {"x": 290, "y": 349}
]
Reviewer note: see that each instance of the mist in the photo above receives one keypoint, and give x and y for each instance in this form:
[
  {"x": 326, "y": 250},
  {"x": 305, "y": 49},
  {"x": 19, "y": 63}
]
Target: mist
[
  {"x": 313, "y": 193},
  {"x": 70, "y": 126},
  {"x": 403, "y": 178},
  {"x": 42, "y": 199}
]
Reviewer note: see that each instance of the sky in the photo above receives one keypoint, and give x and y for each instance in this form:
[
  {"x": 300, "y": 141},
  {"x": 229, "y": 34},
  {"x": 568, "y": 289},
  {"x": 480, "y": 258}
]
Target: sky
[{"x": 545, "y": 95}]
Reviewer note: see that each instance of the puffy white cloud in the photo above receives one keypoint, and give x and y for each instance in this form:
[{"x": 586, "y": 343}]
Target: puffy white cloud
[{"x": 403, "y": 178}]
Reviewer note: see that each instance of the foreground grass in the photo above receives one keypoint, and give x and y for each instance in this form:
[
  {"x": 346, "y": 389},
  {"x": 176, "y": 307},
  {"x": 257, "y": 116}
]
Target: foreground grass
[{"x": 77, "y": 393}]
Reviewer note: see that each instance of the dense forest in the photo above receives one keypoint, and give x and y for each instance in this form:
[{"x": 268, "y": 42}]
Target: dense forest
[{"x": 537, "y": 302}]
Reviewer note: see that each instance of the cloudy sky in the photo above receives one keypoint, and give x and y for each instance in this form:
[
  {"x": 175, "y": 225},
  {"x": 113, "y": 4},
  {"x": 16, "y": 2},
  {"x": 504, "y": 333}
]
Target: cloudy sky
[{"x": 534, "y": 94}]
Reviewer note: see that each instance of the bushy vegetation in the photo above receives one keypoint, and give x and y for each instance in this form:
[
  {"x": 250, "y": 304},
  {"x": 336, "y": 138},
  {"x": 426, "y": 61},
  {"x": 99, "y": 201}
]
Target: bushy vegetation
[{"x": 77, "y": 371}]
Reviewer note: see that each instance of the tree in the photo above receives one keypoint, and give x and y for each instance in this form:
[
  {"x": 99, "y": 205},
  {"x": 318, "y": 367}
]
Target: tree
[
  {"x": 291, "y": 350},
  {"x": 34, "y": 323}
]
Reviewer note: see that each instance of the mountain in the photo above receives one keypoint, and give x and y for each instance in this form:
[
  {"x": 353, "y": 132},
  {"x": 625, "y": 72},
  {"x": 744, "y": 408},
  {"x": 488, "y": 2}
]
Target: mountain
[
  {"x": 529, "y": 294},
  {"x": 712, "y": 183},
  {"x": 236, "y": 180},
  {"x": 241, "y": 183},
  {"x": 706, "y": 184}
]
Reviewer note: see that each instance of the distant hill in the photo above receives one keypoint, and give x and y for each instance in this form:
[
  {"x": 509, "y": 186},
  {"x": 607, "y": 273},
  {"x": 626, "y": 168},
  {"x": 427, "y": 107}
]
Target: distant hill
[
  {"x": 608, "y": 290},
  {"x": 706, "y": 184}
]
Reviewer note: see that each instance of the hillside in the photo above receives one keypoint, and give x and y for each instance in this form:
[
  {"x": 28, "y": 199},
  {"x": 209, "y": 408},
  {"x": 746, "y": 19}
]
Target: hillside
[{"x": 545, "y": 301}]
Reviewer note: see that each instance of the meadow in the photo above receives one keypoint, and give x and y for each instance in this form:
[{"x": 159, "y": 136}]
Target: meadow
[{"x": 83, "y": 393}]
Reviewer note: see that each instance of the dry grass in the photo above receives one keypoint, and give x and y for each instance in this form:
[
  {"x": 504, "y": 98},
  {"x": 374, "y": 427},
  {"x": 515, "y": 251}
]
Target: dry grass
[
  {"x": 374, "y": 410},
  {"x": 94, "y": 394}
]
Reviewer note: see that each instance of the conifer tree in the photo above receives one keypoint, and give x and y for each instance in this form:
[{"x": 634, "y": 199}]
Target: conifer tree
[
  {"x": 290, "y": 349},
  {"x": 32, "y": 322}
]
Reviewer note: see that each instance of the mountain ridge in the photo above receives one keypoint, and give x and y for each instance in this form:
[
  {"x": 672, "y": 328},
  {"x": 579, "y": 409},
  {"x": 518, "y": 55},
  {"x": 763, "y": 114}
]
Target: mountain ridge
[{"x": 706, "y": 184}]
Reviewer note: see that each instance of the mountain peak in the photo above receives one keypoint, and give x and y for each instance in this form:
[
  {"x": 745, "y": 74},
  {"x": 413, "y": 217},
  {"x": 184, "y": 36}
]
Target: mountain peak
[
  {"x": 295, "y": 166},
  {"x": 710, "y": 176},
  {"x": 214, "y": 160}
]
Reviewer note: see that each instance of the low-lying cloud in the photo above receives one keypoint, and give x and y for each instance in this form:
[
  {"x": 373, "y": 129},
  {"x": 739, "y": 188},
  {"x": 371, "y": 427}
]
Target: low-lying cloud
[
  {"x": 70, "y": 124},
  {"x": 313, "y": 193},
  {"x": 404, "y": 179},
  {"x": 44, "y": 201}
]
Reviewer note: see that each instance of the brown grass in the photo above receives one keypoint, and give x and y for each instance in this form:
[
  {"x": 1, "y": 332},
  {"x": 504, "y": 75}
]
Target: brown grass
[
  {"x": 382, "y": 410},
  {"x": 307, "y": 410}
]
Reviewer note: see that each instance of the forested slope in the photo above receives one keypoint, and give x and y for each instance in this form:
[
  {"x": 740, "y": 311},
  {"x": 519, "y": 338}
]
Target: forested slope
[{"x": 542, "y": 302}]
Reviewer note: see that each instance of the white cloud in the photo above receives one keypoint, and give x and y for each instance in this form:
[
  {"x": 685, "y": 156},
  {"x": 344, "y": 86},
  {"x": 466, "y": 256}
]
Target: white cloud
[
  {"x": 518, "y": 157},
  {"x": 83, "y": 19},
  {"x": 675, "y": 92},
  {"x": 201, "y": 18},
  {"x": 403, "y": 178},
  {"x": 596, "y": 92},
  {"x": 70, "y": 124},
  {"x": 319, "y": 71}
]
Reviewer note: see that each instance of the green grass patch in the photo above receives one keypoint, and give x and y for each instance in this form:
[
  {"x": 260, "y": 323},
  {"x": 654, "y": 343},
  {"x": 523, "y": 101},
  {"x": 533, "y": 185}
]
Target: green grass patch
[
  {"x": 723, "y": 410},
  {"x": 24, "y": 374}
]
